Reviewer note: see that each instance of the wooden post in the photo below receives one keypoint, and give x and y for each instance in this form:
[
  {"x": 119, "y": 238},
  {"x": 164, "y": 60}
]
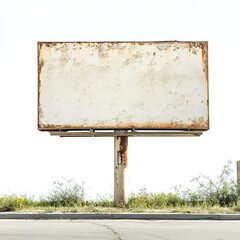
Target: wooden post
[
  {"x": 238, "y": 176},
  {"x": 120, "y": 163}
]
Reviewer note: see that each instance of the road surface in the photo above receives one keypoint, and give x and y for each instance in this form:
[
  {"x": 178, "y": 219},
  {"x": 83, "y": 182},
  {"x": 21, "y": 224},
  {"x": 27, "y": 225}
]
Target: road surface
[{"x": 118, "y": 230}]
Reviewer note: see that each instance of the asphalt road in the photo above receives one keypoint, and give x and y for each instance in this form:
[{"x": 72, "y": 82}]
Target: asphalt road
[{"x": 118, "y": 230}]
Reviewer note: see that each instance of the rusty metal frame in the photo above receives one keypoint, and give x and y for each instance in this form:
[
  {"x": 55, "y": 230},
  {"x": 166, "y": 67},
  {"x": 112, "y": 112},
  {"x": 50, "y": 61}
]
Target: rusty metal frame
[{"x": 126, "y": 133}]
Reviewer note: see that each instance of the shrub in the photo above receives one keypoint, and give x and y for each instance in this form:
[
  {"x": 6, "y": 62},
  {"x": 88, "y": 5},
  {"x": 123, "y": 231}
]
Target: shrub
[
  {"x": 14, "y": 203},
  {"x": 151, "y": 200},
  {"x": 237, "y": 207},
  {"x": 172, "y": 200},
  {"x": 159, "y": 200},
  {"x": 210, "y": 192},
  {"x": 139, "y": 200},
  {"x": 222, "y": 191},
  {"x": 103, "y": 201},
  {"x": 66, "y": 193}
]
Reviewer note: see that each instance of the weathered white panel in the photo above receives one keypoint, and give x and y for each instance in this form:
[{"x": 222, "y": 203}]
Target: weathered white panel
[{"x": 123, "y": 85}]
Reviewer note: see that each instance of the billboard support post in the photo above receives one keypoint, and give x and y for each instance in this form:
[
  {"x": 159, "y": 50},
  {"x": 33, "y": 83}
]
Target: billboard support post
[{"x": 120, "y": 163}]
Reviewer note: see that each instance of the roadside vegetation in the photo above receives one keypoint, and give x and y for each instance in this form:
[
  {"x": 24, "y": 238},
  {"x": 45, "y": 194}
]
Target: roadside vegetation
[{"x": 209, "y": 195}]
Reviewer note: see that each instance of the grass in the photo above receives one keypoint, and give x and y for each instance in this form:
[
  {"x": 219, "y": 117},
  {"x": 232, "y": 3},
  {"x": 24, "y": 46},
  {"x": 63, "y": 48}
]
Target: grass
[
  {"x": 199, "y": 210},
  {"x": 210, "y": 196},
  {"x": 149, "y": 203}
]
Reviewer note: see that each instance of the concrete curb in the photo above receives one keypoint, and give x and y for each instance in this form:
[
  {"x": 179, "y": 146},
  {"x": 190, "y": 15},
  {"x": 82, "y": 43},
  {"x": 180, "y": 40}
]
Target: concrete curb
[{"x": 133, "y": 216}]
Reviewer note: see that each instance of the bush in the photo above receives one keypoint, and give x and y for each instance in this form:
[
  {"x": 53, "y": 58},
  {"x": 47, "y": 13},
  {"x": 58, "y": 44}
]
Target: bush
[
  {"x": 159, "y": 200},
  {"x": 237, "y": 207},
  {"x": 103, "y": 201},
  {"x": 66, "y": 193},
  {"x": 172, "y": 200},
  {"x": 150, "y": 200},
  {"x": 14, "y": 203},
  {"x": 210, "y": 192}
]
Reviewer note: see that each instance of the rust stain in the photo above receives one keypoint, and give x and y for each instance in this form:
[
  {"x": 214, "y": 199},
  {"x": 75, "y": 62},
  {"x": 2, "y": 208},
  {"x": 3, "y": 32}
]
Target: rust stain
[
  {"x": 48, "y": 127},
  {"x": 200, "y": 123},
  {"x": 102, "y": 50},
  {"x": 40, "y": 66},
  {"x": 124, "y": 150},
  {"x": 40, "y": 60},
  {"x": 205, "y": 70},
  {"x": 205, "y": 62},
  {"x": 50, "y": 44},
  {"x": 196, "y": 124}
]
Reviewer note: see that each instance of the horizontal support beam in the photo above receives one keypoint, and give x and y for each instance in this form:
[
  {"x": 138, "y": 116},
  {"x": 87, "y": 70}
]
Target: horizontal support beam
[{"x": 132, "y": 133}]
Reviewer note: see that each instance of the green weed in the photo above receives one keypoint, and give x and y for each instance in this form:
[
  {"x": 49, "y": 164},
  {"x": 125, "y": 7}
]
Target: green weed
[{"x": 14, "y": 203}]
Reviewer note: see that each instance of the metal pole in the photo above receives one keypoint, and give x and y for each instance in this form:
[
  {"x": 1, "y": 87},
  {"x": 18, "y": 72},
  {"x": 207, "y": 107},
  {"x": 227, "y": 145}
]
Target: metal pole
[
  {"x": 120, "y": 163},
  {"x": 238, "y": 176}
]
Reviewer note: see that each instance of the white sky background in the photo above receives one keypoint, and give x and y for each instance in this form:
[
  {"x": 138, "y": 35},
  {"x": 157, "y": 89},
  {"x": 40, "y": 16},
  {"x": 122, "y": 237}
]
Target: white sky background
[{"x": 30, "y": 161}]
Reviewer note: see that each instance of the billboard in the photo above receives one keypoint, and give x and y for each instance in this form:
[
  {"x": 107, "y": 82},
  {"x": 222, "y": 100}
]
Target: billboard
[{"x": 123, "y": 85}]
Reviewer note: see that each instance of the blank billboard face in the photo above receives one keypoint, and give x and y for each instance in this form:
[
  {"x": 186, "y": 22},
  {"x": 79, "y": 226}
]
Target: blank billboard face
[{"x": 123, "y": 85}]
